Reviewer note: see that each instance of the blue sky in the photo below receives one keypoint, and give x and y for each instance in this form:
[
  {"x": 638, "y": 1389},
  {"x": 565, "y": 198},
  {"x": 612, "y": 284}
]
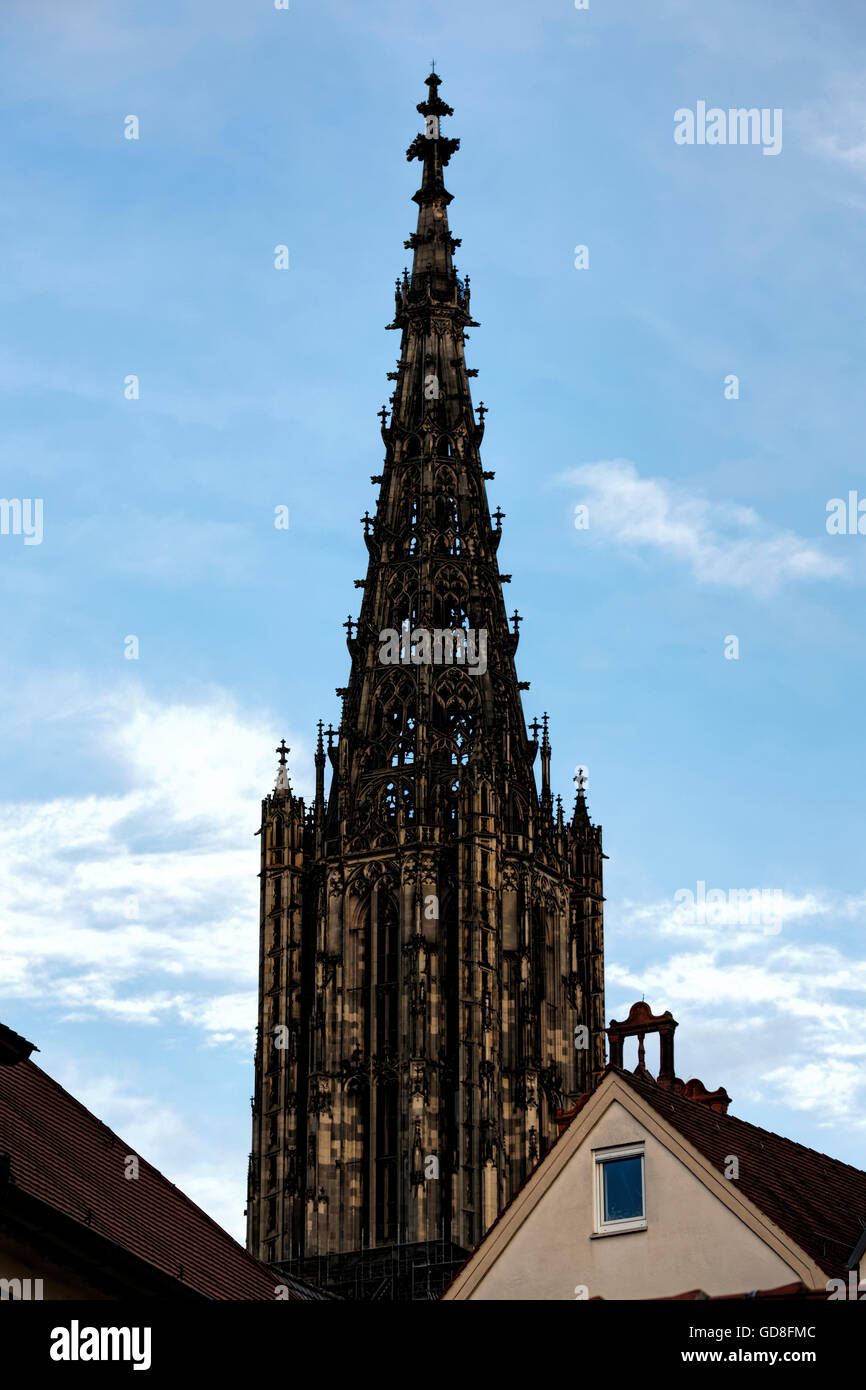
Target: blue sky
[{"x": 130, "y": 789}]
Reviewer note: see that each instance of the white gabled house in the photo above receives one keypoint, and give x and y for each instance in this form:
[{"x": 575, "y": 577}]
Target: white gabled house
[{"x": 652, "y": 1189}]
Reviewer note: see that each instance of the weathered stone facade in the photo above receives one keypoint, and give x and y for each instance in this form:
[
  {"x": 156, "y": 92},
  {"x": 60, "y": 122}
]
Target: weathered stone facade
[{"x": 431, "y": 933}]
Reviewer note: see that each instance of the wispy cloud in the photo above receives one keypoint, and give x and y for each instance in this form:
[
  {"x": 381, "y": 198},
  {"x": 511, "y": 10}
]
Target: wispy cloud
[
  {"x": 171, "y": 549},
  {"x": 767, "y": 1017},
  {"x": 736, "y": 918},
  {"x": 145, "y": 910},
  {"x": 835, "y": 129},
  {"x": 722, "y": 543}
]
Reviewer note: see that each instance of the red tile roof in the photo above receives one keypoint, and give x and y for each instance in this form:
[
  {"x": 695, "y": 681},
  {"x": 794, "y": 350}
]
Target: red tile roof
[
  {"x": 818, "y": 1201},
  {"x": 782, "y": 1293},
  {"x": 63, "y": 1155}
]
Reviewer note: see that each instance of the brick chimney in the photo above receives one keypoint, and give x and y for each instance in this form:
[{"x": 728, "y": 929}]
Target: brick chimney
[{"x": 641, "y": 1020}]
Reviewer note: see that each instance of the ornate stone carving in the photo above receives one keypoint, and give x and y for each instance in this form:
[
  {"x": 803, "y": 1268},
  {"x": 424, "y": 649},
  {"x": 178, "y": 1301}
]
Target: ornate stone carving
[{"x": 437, "y": 789}]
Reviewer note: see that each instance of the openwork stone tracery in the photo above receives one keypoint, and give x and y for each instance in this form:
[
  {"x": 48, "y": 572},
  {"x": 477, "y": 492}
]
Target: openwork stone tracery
[{"x": 431, "y": 930}]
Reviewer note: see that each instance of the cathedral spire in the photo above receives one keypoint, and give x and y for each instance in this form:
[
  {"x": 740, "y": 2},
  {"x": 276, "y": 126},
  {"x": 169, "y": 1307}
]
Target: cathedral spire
[
  {"x": 432, "y": 242},
  {"x": 429, "y": 382},
  {"x": 430, "y": 934}
]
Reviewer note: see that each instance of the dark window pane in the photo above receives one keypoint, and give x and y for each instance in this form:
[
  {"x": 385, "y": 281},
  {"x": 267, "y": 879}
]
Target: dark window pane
[{"x": 623, "y": 1189}]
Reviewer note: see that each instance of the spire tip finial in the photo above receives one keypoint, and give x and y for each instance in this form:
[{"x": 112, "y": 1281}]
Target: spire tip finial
[{"x": 282, "y": 784}]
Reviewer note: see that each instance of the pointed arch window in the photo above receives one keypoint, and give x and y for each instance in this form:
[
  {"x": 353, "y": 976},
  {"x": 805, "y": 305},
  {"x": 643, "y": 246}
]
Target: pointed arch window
[
  {"x": 409, "y": 515},
  {"x": 452, "y": 598},
  {"x": 390, "y": 798},
  {"x": 387, "y": 1096},
  {"x": 445, "y": 510},
  {"x": 397, "y": 795},
  {"x": 455, "y": 706},
  {"x": 403, "y": 751},
  {"x": 395, "y": 697},
  {"x": 550, "y": 971},
  {"x": 387, "y": 948},
  {"x": 461, "y": 733},
  {"x": 387, "y": 1159},
  {"x": 403, "y": 597}
]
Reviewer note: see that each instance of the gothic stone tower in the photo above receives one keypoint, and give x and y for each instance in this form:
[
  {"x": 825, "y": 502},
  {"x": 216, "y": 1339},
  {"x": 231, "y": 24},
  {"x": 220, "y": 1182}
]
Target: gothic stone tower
[{"x": 431, "y": 933}]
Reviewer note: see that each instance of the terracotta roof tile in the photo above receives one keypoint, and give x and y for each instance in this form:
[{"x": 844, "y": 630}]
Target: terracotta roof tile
[
  {"x": 818, "y": 1201},
  {"x": 63, "y": 1155},
  {"x": 781, "y": 1294}
]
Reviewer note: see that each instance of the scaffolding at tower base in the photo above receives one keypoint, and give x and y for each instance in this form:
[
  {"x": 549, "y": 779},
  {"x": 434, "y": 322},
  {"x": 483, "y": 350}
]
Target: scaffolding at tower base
[{"x": 417, "y": 1271}]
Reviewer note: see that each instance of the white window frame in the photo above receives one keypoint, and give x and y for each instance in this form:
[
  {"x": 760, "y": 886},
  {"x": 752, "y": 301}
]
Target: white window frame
[{"x": 600, "y": 1158}]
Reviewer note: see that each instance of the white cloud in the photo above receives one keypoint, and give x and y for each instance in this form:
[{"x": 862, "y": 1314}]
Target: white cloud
[
  {"x": 142, "y": 905},
  {"x": 739, "y": 920},
  {"x": 722, "y": 543},
  {"x": 775, "y": 1019}
]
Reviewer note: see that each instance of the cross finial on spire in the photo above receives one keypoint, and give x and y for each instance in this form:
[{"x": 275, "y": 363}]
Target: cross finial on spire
[
  {"x": 580, "y": 779},
  {"x": 282, "y": 782},
  {"x": 535, "y": 726}
]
